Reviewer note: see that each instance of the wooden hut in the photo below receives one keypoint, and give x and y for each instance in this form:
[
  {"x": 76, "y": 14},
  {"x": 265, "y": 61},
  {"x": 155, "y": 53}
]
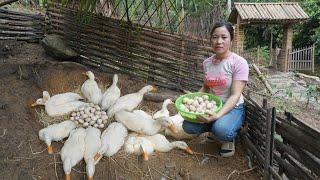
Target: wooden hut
[{"x": 285, "y": 14}]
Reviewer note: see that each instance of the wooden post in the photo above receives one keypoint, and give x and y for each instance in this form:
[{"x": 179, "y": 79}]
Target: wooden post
[
  {"x": 266, "y": 174},
  {"x": 312, "y": 57},
  {"x": 286, "y": 45},
  {"x": 258, "y": 55}
]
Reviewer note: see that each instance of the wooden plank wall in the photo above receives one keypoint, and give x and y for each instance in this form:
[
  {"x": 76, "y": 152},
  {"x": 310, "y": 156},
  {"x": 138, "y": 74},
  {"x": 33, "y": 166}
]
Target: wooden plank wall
[
  {"x": 169, "y": 60},
  {"x": 21, "y": 26}
]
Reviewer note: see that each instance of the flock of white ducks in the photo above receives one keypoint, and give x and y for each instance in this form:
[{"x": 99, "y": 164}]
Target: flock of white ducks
[{"x": 89, "y": 144}]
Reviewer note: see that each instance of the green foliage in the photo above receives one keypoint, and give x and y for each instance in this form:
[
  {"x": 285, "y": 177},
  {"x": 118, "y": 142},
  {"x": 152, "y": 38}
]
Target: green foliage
[
  {"x": 308, "y": 33},
  {"x": 311, "y": 92}
]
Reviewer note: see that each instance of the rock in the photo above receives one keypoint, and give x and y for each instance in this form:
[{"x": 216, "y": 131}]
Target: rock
[{"x": 57, "y": 48}]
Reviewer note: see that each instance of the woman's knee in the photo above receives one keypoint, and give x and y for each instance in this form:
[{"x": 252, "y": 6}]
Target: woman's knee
[{"x": 226, "y": 130}]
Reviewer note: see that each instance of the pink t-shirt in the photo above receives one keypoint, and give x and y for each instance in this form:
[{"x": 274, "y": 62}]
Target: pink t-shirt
[{"x": 219, "y": 76}]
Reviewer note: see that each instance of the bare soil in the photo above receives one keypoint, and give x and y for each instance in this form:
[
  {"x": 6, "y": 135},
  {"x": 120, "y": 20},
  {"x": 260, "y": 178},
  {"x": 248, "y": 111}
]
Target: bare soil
[{"x": 25, "y": 71}]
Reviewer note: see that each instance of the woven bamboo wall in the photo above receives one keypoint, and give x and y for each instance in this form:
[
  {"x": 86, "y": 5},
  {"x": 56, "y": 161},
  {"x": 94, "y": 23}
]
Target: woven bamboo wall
[
  {"x": 165, "y": 59},
  {"x": 21, "y": 26}
]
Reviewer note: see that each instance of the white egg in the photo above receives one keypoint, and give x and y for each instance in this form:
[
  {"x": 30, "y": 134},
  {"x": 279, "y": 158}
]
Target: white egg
[
  {"x": 96, "y": 125},
  {"x": 192, "y": 108},
  {"x": 101, "y": 125},
  {"x": 206, "y": 101},
  {"x": 94, "y": 118},
  {"x": 200, "y": 100},
  {"x": 99, "y": 121},
  {"x": 105, "y": 121},
  {"x": 88, "y": 119},
  {"x": 85, "y": 124},
  {"x": 92, "y": 122},
  {"x": 103, "y": 113},
  {"x": 82, "y": 112},
  {"x": 73, "y": 114},
  {"x": 92, "y": 110},
  {"x": 91, "y": 115},
  {"x": 185, "y": 100},
  {"x": 205, "y": 97},
  {"x": 76, "y": 122},
  {"x": 208, "y": 111},
  {"x": 77, "y": 117},
  {"x": 72, "y": 118},
  {"x": 209, "y": 106},
  {"x": 195, "y": 103},
  {"x": 85, "y": 116},
  {"x": 78, "y": 114},
  {"x": 190, "y": 101},
  {"x": 97, "y": 112},
  {"x": 213, "y": 102},
  {"x": 81, "y": 121},
  {"x": 104, "y": 117},
  {"x": 97, "y": 107}
]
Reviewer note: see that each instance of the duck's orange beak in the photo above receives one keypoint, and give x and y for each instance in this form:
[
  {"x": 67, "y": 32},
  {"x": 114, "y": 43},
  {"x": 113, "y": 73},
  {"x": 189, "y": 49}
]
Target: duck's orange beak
[
  {"x": 145, "y": 156},
  {"x": 50, "y": 149},
  {"x": 154, "y": 89},
  {"x": 96, "y": 157},
  {"x": 68, "y": 177},
  {"x": 84, "y": 73},
  {"x": 34, "y": 104},
  {"x": 90, "y": 178},
  {"x": 173, "y": 129},
  {"x": 189, "y": 150}
]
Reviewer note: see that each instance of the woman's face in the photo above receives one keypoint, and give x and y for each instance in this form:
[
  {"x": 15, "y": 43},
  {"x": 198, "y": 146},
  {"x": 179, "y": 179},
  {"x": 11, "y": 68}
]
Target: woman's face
[{"x": 221, "y": 40}]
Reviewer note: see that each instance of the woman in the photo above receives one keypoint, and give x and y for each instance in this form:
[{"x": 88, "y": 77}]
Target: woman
[{"x": 226, "y": 75}]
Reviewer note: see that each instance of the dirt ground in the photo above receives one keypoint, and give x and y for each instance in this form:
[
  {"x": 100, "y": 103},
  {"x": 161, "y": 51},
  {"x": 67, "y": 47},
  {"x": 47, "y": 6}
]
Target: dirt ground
[{"x": 25, "y": 71}]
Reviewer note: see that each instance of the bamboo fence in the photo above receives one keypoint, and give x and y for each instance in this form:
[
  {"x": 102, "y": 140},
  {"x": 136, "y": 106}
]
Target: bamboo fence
[
  {"x": 282, "y": 147},
  {"x": 161, "y": 58},
  {"x": 16, "y": 25}
]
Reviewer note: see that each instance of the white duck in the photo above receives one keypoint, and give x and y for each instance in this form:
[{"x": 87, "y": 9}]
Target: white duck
[
  {"x": 56, "y": 132},
  {"x": 138, "y": 145},
  {"x": 111, "y": 95},
  {"x": 60, "y": 104},
  {"x": 164, "y": 110},
  {"x": 112, "y": 139},
  {"x": 130, "y": 101},
  {"x": 161, "y": 144},
  {"x": 141, "y": 122},
  {"x": 91, "y": 90},
  {"x": 73, "y": 150},
  {"x": 92, "y": 145},
  {"x": 177, "y": 121}
]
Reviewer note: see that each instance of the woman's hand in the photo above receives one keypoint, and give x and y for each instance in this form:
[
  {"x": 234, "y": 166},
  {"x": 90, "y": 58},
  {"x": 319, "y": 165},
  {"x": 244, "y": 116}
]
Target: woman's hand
[{"x": 208, "y": 119}]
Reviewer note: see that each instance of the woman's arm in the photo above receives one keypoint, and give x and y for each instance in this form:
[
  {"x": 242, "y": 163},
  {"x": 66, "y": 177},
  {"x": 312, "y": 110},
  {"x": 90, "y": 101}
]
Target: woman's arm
[
  {"x": 236, "y": 91},
  {"x": 204, "y": 88}
]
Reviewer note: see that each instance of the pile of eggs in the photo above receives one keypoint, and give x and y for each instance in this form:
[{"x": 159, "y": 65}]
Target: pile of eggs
[
  {"x": 92, "y": 115},
  {"x": 198, "y": 104}
]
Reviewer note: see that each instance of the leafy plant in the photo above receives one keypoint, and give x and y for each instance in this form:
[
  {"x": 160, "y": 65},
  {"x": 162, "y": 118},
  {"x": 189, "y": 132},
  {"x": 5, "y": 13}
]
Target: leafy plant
[{"x": 311, "y": 92}]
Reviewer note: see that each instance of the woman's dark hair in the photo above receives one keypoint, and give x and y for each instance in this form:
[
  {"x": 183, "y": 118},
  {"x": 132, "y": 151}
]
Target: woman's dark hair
[{"x": 226, "y": 24}]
